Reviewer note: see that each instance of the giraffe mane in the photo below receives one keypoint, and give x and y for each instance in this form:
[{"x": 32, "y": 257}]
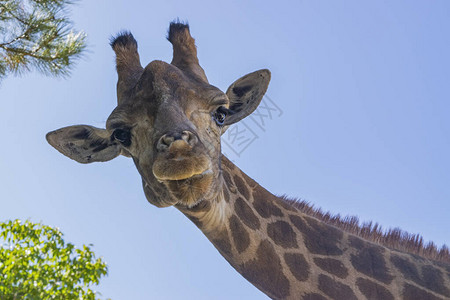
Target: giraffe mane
[{"x": 394, "y": 238}]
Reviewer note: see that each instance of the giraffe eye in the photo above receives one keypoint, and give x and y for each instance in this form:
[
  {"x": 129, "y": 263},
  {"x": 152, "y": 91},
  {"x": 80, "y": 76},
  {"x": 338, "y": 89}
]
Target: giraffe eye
[
  {"x": 220, "y": 115},
  {"x": 123, "y": 136}
]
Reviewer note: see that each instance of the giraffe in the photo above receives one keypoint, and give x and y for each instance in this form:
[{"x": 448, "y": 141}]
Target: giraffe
[{"x": 169, "y": 120}]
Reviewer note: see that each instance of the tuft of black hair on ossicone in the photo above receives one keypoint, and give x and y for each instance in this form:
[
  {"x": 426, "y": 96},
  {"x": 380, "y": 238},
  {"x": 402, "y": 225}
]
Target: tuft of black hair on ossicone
[
  {"x": 123, "y": 39},
  {"x": 176, "y": 26}
]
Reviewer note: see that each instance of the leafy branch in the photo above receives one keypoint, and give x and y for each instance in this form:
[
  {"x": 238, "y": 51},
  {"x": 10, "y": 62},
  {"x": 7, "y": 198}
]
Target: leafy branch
[
  {"x": 37, "y": 34},
  {"x": 36, "y": 263}
]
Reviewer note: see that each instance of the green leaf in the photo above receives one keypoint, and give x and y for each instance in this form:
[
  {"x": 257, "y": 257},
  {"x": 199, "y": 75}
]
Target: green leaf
[{"x": 36, "y": 263}]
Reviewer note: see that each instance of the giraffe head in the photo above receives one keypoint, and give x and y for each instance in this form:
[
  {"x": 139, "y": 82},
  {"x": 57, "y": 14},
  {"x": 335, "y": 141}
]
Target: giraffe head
[{"x": 169, "y": 120}]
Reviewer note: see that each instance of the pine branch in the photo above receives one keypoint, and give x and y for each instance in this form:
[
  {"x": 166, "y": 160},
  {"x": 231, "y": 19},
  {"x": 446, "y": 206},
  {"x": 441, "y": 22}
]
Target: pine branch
[{"x": 39, "y": 36}]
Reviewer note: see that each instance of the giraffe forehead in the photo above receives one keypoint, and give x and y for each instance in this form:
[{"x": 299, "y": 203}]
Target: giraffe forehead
[
  {"x": 161, "y": 82},
  {"x": 165, "y": 90}
]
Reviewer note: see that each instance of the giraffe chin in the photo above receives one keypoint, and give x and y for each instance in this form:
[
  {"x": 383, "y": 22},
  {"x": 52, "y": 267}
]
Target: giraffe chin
[{"x": 190, "y": 191}]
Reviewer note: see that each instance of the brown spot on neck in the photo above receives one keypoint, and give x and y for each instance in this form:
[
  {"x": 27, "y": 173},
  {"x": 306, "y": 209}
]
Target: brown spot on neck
[
  {"x": 242, "y": 187},
  {"x": 314, "y": 296},
  {"x": 222, "y": 243},
  {"x": 298, "y": 265},
  {"x": 407, "y": 268},
  {"x": 226, "y": 194},
  {"x": 245, "y": 213},
  {"x": 227, "y": 164},
  {"x": 250, "y": 182},
  {"x": 282, "y": 234},
  {"x": 229, "y": 183},
  {"x": 370, "y": 260},
  {"x": 319, "y": 238},
  {"x": 410, "y": 292},
  {"x": 335, "y": 289},
  {"x": 240, "y": 235},
  {"x": 434, "y": 281},
  {"x": 332, "y": 266},
  {"x": 373, "y": 290},
  {"x": 266, "y": 273},
  {"x": 264, "y": 203}
]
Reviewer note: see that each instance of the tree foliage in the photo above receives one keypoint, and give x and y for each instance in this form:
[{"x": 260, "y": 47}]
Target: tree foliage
[
  {"x": 36, "y": 263},
  {"x": 37, "y": 34}
]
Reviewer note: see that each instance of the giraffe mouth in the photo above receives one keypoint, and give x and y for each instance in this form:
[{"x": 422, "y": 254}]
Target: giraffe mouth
[
  {"x": 181, "y": 168},
  {"x": 190, "y": 179},
  {"x": 184, "y": 181}
]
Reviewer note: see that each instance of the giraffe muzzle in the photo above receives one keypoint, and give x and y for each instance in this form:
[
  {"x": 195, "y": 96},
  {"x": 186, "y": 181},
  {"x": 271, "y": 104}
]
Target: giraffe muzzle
[{"x": 180, "y": 167}]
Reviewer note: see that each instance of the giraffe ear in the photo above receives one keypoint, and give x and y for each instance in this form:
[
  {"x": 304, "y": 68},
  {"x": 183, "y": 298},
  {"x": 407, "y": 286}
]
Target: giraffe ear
[
  {"x": 245, "y": 94},
  {"x": 83, "y": 143}
]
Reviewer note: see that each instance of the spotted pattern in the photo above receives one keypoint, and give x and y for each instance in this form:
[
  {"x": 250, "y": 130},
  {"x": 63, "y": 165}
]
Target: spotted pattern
[
  {"x": 242, "y": 187},
  {"x": 297, "y": 265},
  {"x": 335, "y": 289},
  {"x": 431, "y": 277},
  {"x": 282, "y": 234},
  {"x": 313, "y": 296},
  {"x": 410, "y": 292},
  {"x": 223, "y": 244},
  {"x": 357, "y": 242},
  {"x": 265, "y": 271},
  {"x": 370, "y": 261},
  {"x": 250, "y": 182},
  {"x": 240, "y": 236},
  {"x": 434, "y": 280},
  {"x": 229, "y": 182},
  {"x": 447, "y": 267},
  {"x": 407, "y": 268},
  {"x": 372, "y": 290},
  {"x": 319, "y": 238},
  {"x": 228, "y": 164},
  {"x": 245, "y": 213},
  {"x": 287, "y": 205},
  {"x": 226, "y": 194},
  {"x": 263, "y": 202},
  {"x": 332, "y": 266}
]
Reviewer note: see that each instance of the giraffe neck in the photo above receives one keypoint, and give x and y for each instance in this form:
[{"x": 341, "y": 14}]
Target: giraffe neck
[{"x": 288, "y": 254}]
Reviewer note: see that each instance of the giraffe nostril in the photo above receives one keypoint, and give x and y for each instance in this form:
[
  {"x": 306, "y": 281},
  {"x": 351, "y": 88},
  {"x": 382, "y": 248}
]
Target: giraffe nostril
[
  {"x": 189, "y": 137},
  {"x": 186, "y": 135},
  {"x": 166, "y": 140}
]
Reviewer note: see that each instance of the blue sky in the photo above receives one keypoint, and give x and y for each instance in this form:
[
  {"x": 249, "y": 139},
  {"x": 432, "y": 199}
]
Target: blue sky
[{"x": 364, "y": 130}]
